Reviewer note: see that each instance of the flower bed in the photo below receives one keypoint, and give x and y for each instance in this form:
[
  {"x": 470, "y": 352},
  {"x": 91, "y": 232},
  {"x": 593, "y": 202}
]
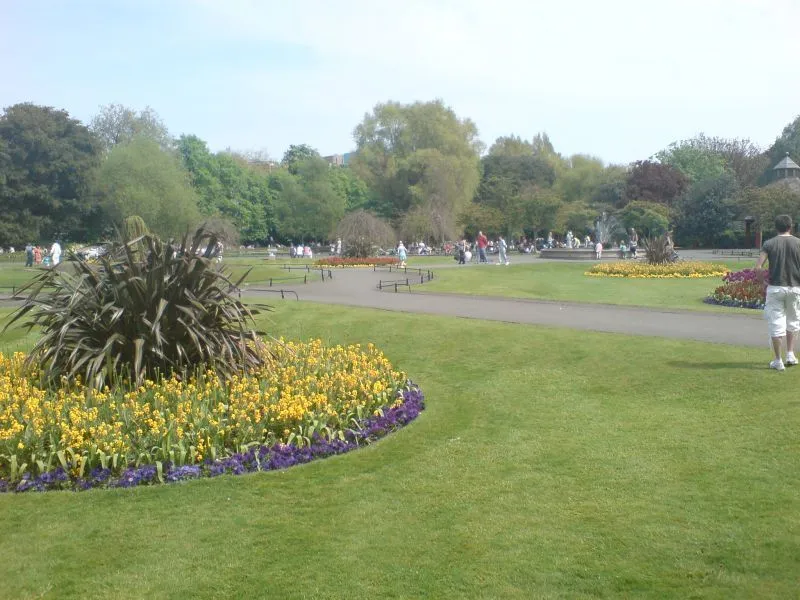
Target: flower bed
[
  {"x": 337, "y": 261},
  {"x": 743, "y": 289},
  {"x": 641, "y": 270},
  {"x": 309, "y": 401}
]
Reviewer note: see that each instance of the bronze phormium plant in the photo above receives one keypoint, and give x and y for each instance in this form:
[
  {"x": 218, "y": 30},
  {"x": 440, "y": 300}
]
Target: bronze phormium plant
[
  {"x": 167, "y": 310},
  {"x": 659, "y": 250}
]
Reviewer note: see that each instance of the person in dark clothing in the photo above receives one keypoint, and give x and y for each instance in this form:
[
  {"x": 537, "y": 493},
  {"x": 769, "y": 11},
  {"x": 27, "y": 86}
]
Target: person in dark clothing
[{"x": 782, "y": 308}]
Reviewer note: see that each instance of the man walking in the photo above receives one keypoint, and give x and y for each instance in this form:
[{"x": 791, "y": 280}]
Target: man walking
[
  {"x": 55, "y": 253},
  {"x": 782, "y": 309},
  {"x": 483, "y": 241}
]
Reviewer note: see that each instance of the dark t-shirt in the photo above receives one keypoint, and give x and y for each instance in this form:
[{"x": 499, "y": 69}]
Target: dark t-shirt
[{"x": 783, "y": 253}]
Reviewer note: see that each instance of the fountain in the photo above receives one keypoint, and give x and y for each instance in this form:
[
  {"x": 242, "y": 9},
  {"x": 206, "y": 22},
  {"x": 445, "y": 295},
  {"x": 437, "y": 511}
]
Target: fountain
[{"x": 606, "y": 229}]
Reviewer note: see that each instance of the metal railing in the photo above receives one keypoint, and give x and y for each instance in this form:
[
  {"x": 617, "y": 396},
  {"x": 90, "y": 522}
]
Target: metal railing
[{"x": 418, "y": 276}]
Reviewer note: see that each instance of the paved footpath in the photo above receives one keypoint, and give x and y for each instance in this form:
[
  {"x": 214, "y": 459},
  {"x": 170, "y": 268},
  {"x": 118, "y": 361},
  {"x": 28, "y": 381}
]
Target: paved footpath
[{"x": 358, "y": 287}]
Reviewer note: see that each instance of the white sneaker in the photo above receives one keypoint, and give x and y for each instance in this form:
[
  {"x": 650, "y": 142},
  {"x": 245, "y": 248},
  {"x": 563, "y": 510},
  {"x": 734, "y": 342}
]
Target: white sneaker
[
  {"x": 777, "y": 364},
  {"x": 791, "y": 359}
]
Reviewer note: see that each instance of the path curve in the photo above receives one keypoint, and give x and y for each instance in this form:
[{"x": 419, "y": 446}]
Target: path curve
[{"x": 358, "y": 287}]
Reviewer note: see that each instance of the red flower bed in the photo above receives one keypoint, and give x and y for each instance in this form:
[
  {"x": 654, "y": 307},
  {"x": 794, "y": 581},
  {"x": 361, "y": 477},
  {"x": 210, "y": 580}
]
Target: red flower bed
[
  {"x": 338, "y": 261},
  {"x": 745, "y": 289}
]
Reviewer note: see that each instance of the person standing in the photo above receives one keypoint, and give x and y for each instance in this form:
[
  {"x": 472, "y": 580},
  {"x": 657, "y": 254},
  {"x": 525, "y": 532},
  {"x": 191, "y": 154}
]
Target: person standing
[
  {"x": 37, "y": 255},
  {"x": 29, "y": 255},
  {"x": 55, "y": 253},
  {"x": 782, "y": 308},
  {"x": 483, "y": 241},
  {"x": 462, "y": 252},
  {"x": 633, "y": 239},
  {"x": 502, "y": 248},
  {"x": 598, "y": 250},
  {"x": 402, "y": 254}
]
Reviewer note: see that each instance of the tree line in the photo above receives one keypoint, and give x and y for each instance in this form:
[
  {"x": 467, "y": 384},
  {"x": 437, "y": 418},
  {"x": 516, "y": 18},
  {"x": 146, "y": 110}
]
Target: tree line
[{"x": 418, "y": 168}]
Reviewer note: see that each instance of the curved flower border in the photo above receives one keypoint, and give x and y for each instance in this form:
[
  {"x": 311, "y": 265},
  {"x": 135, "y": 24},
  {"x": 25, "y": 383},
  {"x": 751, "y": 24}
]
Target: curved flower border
[{"x": 258, "y": 458}]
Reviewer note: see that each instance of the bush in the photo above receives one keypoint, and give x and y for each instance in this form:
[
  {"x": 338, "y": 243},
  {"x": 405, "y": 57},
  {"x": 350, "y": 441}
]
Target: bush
[
  {"x": 139, "y": 314},
  {"x": 659, "y": 249},
  {"x": 744, "y": 289}
]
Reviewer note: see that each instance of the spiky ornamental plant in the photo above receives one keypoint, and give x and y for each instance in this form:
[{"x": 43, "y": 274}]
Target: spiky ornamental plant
[{"x": 171, "y": 311}]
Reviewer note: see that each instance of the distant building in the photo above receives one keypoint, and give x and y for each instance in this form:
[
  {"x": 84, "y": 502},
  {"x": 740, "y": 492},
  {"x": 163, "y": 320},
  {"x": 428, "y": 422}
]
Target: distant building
[
  {"x": 786, "y": 174},
  {"x": 339, "y": 160}
]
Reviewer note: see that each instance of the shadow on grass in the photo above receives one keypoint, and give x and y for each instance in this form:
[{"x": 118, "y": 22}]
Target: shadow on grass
[{"x": 716, "y": 365}]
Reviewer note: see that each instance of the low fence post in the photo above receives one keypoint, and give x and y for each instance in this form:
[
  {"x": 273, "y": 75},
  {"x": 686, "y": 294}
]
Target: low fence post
[
  {"x": 395, "y": 288},
  {"x": 270, "y": 282}
]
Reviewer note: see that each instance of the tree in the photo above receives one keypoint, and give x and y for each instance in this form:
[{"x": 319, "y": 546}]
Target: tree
[
  {"x": 648, "y": 218},
  {"x": 46, "y": 164},
  {"x": 511, "y": 145},
  {"x": 117, "y": 124},
  {"x": 307, "y": 206},
  {"x": 362, "y": 232},
  {"x": 298, "y": 154},
  {"x": 419, "y": 156},
  {"x": 706, "y": 211},
  {"x": 704, "y": 157},
  {"x": 350, "y": 187},
  {"x": 651, "y": 181},
  {"x": 768, "y": 202},
  {"x": 787, "y": 143},
  {"x": 139, "y": 178},
  {"x": 229, "y": 189}
]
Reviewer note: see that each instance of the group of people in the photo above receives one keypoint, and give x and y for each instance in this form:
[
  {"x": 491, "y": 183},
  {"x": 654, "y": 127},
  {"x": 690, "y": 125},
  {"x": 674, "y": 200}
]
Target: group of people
[
  {"x": 35, "y": 255},
  {"x": 300, "y": 251},
  {"x": 482, "y": 246}
]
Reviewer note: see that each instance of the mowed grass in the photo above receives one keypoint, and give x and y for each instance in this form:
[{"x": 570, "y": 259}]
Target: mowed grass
[
  {"x": 549, "y": 464},
  {"x": 566, "y": 281}
]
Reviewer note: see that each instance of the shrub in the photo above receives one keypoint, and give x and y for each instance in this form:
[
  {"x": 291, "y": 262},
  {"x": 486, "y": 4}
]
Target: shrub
[
  {"x": 745, "y": 289},
  {"x": 304, "y": 398},
  {"x": 135, "y": 314},
  {"x": 659, "y": 249},
  {"x": 638, "y": 270}
]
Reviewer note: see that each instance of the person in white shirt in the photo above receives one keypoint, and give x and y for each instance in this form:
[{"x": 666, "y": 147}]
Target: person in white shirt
[{"x": 55, "y": 253}]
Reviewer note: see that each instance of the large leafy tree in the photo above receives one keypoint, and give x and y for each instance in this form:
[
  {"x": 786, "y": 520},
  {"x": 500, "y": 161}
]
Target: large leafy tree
[
  {"x": 419, "y": 156},
  {"x": 307, "y": 206},
  {"x": 705, "y": 157},
  {"x": 297, "y": 154},
  {"x": 707, "y": 210},
  {"x": 228, "y": 187},
  {"x": 139, "y": 178},
  {"x": 46, "y": 165},
  {"x": 787, "y": 143},
  {"x": 117, "y": 124},
  {"x": 652, "y": 181},
  {"x": 766, "y": 203},
  {"x": 648, "y": 218}
]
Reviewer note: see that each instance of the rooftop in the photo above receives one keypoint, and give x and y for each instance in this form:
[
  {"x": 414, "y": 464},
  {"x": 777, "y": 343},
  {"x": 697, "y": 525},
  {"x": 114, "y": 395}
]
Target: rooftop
[{"x": 786, "y": 163}]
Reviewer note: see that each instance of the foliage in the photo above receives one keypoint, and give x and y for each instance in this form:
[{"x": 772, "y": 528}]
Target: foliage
[
  {"x": 768, "y": 202},
  {"x": 350, "y": 187},
  {"x": 230, "y": 189},
  {"x": 490, "y": 220},
  {"x": 301, "y": 393},
  {"x": 695, "y": 162},
  {"x": 641, "y": 270},
  {"x": 172, "y": 312},
  {"x": 338, "y": 261},
  {"x": 704, "y": 157},
  {"x": 659, "y": 249},
  {"x": 362, "y": 232},
  {"x": 706, "y": 210},
  {"x": 651, "y": 181},
  {"x": 788, "y": 142},
  {"x": 648, "y": 218},
  {"x": 419, "y": 156},
  {"x": 576, "y": 217},
  {"x": 118, "y": 124},
  {"x": 745, "y": 289},
  {"x": 139, "y": 178},
  {"x": 46, "y": 165},
  {"x": 307, "y": 206},
  {"x": 296, "y": 154}
]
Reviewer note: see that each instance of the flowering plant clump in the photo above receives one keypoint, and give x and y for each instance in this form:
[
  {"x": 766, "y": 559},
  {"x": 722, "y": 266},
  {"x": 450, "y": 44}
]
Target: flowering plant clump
[
  {"x": 306, "y": 401},
  {"x": 744, "y": 289},
  {"x": 639, "y": 270},
  {"x": 338, "y": 261}
]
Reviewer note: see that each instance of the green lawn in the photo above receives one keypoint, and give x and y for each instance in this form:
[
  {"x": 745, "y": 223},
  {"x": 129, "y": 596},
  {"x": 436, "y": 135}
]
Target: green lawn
[
  {"x": 566, "y": 281},
  {"x": 549, "y": 464}
]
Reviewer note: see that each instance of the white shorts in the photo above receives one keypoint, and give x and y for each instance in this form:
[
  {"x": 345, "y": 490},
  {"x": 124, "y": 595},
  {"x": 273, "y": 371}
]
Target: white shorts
[{"x": 782, "y": 309}]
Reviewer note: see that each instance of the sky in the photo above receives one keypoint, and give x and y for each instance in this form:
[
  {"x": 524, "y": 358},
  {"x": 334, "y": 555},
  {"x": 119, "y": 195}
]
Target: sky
[{"x": 618, "y": 79}]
